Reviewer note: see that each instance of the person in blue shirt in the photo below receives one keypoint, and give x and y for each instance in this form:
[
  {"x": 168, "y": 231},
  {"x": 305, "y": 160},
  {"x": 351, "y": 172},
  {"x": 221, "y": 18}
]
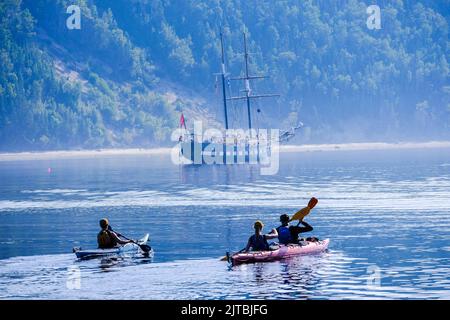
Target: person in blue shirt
[{"x": 289, "y": 234}]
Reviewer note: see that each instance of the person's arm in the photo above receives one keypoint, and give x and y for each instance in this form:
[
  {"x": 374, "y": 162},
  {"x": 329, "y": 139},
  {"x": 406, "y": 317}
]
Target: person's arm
[
  {"x": 306, "y": 227},
  {"x": 119, "y": 237},
  {"x": 118, "y": 240},
  {"x": 272, "y": 235}
]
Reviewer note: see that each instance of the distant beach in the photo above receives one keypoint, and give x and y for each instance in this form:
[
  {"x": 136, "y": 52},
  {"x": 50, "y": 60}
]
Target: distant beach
[
  {"x": 80, "y": 154},
  {"x": 365, "y": 146}
]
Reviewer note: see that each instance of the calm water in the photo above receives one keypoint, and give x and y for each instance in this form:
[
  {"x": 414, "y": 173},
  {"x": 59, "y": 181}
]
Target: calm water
[{"x": 387, "y": 214}]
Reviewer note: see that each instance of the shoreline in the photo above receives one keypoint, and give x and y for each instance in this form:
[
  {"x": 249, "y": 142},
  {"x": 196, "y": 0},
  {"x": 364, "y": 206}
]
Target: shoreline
[
  {"x": 80, "y": 154},
  {"x": 365, "y": 146}
]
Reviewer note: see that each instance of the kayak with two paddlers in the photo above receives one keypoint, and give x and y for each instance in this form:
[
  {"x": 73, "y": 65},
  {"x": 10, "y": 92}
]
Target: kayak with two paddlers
[{"x": 258, "y": 248}]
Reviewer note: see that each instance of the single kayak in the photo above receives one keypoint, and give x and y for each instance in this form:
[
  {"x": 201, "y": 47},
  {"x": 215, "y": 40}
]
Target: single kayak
[
  {"x": 282, "y": 252},
  {"x": 127, "y": 249}
]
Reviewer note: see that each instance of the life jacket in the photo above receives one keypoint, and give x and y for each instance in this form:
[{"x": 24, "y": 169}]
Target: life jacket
[
  {"x": 284, "y": 235},
  {"x": 105, "y": 240},
  {"x": 259, "y": 243}
]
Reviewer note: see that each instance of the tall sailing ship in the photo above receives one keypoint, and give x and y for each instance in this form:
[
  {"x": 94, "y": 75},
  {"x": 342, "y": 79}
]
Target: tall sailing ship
[{"x": 238, "y": 147}]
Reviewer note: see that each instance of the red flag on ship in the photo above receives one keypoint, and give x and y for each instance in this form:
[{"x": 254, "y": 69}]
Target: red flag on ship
[{"x": 182, "y": 122}]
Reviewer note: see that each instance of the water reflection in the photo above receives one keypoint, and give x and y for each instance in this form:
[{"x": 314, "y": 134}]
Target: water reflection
[
  {"x": 331, "y": 275},
  {"x": 218, "y": 174},
  {"x": 369, "y": 207},
  {"x": 110, "y": 263}
]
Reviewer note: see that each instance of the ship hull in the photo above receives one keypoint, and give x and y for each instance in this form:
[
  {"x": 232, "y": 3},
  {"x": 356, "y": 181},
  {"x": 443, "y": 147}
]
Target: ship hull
[{"x": 199, "y": 153}]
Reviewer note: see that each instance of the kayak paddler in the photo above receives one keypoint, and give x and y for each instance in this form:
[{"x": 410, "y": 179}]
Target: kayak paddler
[
  {"x": 289, "y": 234},
  {"x": 107, "y": 238},
  {"x": 258, "y": 241}
]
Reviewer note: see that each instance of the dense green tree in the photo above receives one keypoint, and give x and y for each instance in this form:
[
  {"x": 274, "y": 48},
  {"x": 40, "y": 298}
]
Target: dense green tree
[{"x": 100, "y": 86}]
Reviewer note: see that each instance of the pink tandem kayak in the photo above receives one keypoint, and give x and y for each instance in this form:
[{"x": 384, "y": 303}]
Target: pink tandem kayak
[{"x": 284, "y": 251}]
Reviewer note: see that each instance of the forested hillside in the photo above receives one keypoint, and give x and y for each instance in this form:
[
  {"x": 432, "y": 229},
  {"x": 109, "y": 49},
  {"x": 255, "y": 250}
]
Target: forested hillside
[{"x": 124, "y": 77}]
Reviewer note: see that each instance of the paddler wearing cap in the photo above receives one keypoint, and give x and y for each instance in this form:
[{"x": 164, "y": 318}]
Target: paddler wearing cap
[
  {"x": 107, "y": 238},
  {"x": 289, "y": 234},
  {"x": 258, "y": 241}
]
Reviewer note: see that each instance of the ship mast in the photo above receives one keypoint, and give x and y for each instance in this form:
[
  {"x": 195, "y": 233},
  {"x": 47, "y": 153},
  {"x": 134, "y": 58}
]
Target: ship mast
[
  {"x": 247, "y": 90},
  {"x": 223, "y": 74},
  {"x": 223, "y": 83},
  {"x": 247, "y": 83}
]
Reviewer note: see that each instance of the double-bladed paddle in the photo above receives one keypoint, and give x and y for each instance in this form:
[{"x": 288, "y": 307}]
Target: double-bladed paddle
[{"x": 144, "y": 247}]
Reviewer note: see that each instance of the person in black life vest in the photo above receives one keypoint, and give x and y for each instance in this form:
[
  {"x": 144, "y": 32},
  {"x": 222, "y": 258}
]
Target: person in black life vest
[
  {"x": 258, "y": 241},
  {"x": 107, "y": 238},
  {"x": 289, "y": 234}
]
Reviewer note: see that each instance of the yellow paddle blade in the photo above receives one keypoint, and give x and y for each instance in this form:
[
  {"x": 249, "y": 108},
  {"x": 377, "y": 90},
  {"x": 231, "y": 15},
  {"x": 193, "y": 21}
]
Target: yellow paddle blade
[
  {"x": 312, "y": 203},
  {"x": 299, "y": 215}
]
